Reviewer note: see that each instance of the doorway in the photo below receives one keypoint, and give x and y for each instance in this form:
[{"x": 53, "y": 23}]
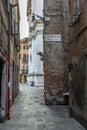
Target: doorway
[{"x": 25, "y": 79}]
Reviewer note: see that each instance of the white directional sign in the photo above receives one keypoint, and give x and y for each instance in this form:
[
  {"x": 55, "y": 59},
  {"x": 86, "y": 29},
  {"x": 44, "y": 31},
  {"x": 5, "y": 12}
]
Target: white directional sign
[{"x": 52, "y": 37}]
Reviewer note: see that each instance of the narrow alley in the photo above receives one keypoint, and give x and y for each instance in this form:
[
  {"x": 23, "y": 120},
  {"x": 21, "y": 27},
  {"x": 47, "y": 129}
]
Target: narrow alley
[{"x": 29, "y": 112}]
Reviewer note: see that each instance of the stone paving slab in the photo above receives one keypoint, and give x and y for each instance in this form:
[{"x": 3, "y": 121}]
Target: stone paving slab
[{"x": 29, "y": 112}]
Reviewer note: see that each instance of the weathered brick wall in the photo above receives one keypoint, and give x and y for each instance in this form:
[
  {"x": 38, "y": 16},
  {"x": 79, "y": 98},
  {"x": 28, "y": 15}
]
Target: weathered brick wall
[
  {"x": 78, "y": 59},
  {"x": 55, "y": 53}
]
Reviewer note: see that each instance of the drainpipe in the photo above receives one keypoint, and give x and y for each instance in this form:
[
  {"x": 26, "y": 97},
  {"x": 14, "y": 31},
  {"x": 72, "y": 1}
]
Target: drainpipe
[{"x": 8, "y": 90}]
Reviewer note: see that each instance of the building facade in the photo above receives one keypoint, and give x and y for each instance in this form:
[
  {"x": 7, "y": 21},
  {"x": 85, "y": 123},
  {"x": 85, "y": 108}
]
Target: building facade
[
  {"x": 14, "y": 49},
  {"x": 24, "y": 60},
  {"x": 3, "y": 57},
  {"x": 78, "y": 60},
  {"x": 34, "y": 13},
  {"x": 55, "y": 51},
  {"x": 9, "y": 55}
]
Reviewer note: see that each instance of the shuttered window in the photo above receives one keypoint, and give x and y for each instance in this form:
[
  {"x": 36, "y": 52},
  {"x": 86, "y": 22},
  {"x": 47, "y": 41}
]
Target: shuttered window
[{"x": 6, "y": 3}]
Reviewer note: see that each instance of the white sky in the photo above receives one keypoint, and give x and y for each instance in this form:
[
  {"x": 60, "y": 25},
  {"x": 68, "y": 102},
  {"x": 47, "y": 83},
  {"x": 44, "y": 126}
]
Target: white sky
[{"x": 23, "y": 19}]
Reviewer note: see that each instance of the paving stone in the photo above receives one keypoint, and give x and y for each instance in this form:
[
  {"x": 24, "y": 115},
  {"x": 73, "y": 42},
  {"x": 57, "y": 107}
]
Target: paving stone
[{"x": 29, "y": 112}]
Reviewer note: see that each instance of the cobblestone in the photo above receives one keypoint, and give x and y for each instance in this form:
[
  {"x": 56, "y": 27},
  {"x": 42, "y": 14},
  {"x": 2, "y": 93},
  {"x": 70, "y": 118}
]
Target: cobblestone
[{"x": 30, "y": 113}]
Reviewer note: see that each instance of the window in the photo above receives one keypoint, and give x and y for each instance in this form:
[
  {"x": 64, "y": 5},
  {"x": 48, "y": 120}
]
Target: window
[
  {"x": 30, "y": 57},
  {"x": 77, "y": 7},
  {"x": 6, "y": 3},
  {"x": 24, "y": 47},
  {"x": 27, "y": 58},
  {"x": 27, "y": 47},
  {"x": 24, "y": 57},
  {"x": 15, "y": 20},
  {"x": 75, "y": 12},
  {"x": 25, "y": 68}
]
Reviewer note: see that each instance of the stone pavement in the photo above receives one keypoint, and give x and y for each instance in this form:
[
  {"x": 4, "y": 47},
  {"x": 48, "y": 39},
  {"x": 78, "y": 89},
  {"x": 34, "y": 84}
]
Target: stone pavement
[{"x": 30, "y": 113}]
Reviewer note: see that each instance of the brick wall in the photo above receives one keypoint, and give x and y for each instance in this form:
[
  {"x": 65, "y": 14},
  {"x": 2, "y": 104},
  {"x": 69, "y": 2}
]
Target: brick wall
[{"x": 55, "y": 52}]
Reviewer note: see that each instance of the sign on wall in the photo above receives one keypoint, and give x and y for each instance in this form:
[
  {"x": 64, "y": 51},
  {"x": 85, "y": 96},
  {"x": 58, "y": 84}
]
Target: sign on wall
[{"x": 52, "y": 37}]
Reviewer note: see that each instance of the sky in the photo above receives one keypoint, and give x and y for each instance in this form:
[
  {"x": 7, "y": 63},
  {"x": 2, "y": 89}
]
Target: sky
[{"x": 23, "y": 19}]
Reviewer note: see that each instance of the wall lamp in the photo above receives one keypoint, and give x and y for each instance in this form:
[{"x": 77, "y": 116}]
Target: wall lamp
[
  {"x": 46, "y": 19},
  {"x": 33, "y": 17}
]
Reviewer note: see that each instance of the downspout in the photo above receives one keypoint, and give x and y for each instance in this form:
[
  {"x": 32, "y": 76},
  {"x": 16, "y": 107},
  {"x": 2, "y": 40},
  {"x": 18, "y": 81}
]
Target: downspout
[{"x": 8, "y": 89}]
